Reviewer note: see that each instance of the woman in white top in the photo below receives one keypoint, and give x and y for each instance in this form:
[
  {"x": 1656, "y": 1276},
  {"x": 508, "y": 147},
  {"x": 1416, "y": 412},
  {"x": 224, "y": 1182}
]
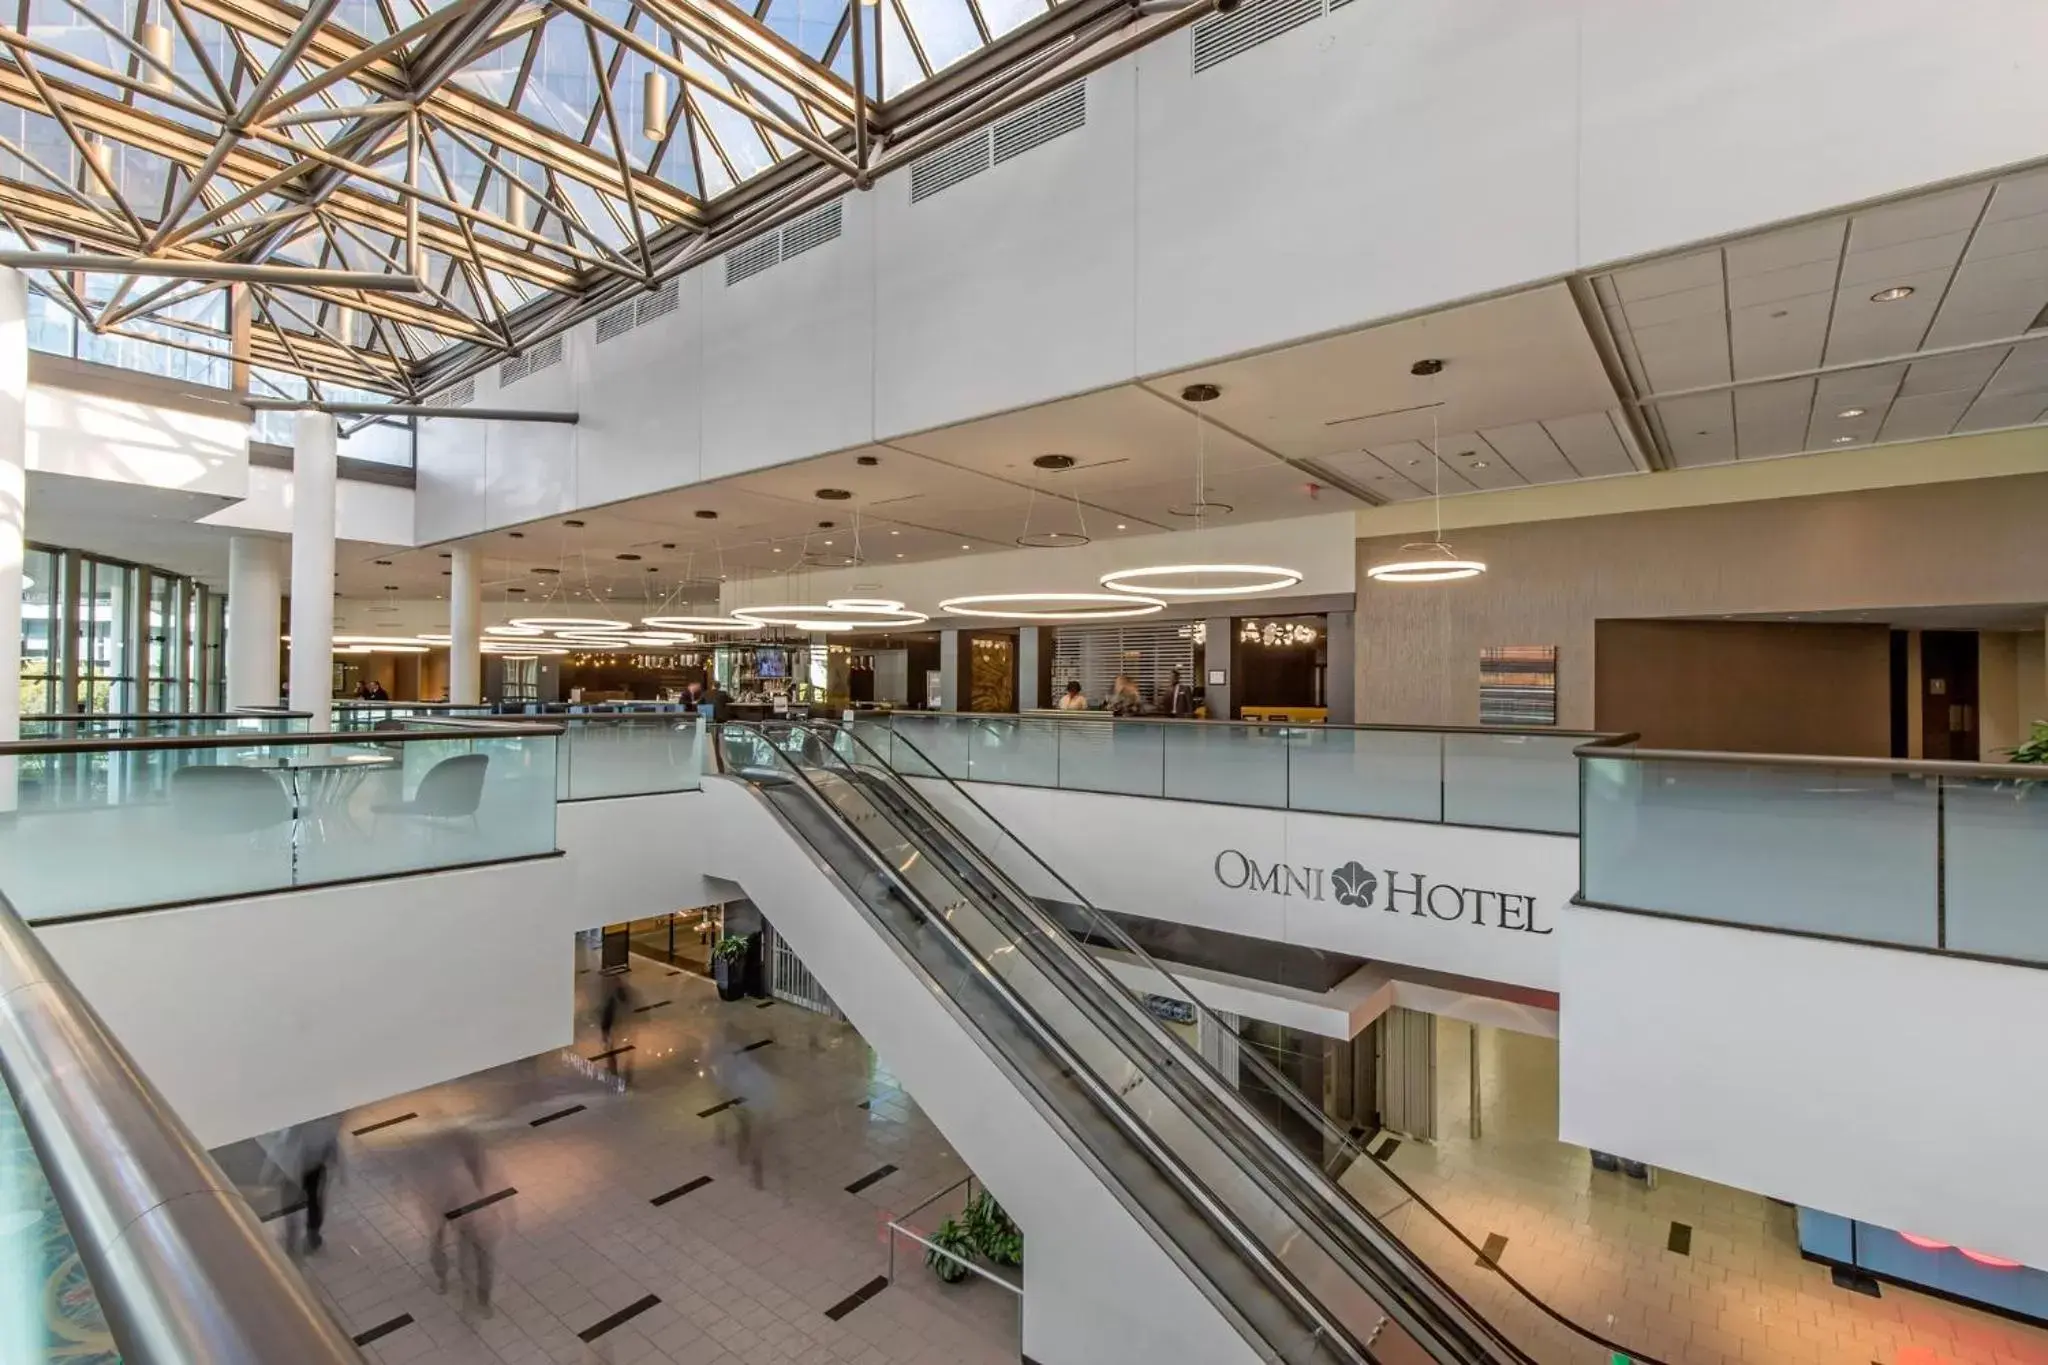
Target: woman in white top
[{"x": 1072, "y": 699}]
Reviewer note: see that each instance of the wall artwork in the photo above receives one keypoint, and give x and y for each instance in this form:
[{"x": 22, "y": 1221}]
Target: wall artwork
[{"x": 1518, "y": 685}]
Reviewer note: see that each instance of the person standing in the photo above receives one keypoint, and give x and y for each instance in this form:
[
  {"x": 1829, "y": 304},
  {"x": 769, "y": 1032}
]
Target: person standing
[
  {"x": 1176, "y": 698},
  {"x": 1073, "y": 699},
  {"x": 1124, "y": 699}
]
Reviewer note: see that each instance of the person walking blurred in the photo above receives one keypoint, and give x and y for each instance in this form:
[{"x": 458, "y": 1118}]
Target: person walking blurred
[
  {"x": 458, "y": 1178},
  {"x": 611, "y": 1012},
  {"x": 312, "y": 1161},
  {"x": 1124, "y": 699}
]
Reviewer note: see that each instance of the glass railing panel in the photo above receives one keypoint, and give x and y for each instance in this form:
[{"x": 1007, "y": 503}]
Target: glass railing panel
[
  {"x": 134, "y": 727},
  {"x": 1014, "y": 749},
  {"x": 49, "y": 1311},
  {"x": 1996, "y": 861},
  {"x": 374, "y": 809},
  {"x": 1395, "y": 774},
  {"x": 1512, "y": 781},
  {"x": 631, "y": 755},
  {"x": 942, "y": 739},
  {"x": 1235, "y": 765},
  {"x": 1105, "y": 756},
  {"x": 1846, "y": 851},
  {"x": 120, "y": 828}
]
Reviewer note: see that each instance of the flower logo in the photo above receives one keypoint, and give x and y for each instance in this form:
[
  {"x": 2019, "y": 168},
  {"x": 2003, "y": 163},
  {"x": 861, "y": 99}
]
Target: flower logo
[{"x": 1354, "y": 885}]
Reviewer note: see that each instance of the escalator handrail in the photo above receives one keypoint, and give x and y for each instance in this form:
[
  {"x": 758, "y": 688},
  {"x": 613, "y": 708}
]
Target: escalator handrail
[
  {"x": 1104, "y": 1095},
  {"x": 1281, "y": 1087}
]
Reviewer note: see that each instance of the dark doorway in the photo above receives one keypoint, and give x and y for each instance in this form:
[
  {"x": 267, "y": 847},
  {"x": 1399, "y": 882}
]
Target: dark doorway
[
  {"x": 1902, "y": 694},
  {"x": 1948, "y": 695}
]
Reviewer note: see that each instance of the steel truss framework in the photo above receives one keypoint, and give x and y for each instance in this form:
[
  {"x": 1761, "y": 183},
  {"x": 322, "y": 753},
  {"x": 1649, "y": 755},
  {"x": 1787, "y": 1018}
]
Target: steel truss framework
[{"x": 390, "y": 195}]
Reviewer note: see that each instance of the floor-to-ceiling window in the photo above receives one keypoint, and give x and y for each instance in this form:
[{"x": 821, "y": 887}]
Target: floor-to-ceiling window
[{"x": 100, "y": 635}]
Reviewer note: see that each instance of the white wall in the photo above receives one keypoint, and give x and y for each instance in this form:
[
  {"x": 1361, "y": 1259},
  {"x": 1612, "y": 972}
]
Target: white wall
[
  {"x": 253, "y": 1014},
  {"x": 635, "y": 857},
  {"x": 1384, "y": 159},
  {"x": 377, "y": 513},
  {"x": 1097, "y": 1286},
  {"x": 1832, "y": 1075},
  {"x": 125, "y": 440},
  {"x": 1142, "y": 856}
]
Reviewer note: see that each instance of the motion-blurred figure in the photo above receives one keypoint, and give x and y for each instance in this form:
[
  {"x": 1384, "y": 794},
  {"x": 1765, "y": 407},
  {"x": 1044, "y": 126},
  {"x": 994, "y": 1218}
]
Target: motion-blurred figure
[
  {"x": 611, "y": 1012},
  {"x": 458, "y": 1178},
  {"x": 312, "y": 1160}
]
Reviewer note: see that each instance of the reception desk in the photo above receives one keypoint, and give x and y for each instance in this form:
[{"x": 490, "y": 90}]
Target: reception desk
[{"x": 1286, "y": 715}]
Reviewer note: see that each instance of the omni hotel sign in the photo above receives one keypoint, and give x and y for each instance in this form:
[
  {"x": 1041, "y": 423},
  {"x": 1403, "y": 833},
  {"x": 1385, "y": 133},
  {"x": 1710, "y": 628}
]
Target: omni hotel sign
[{"x": 1386, "y": 889}]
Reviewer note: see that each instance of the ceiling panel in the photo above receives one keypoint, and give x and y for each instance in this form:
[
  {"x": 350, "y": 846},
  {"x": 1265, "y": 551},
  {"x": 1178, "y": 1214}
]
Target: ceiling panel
[
  {"x": 1924, "y": 416},
  {"x": 1700, "y": 429},
  {"x": 1592, "y": 443},
  {"x": 1922, "y": 216},
  {"x": 1946, "y": 374},
  {"x": 1771, "y": 253},
  {"x": 1527, "y": 447},
  {"x": 1771, "y": 417},
  {"x": 1777, "y": 338}
]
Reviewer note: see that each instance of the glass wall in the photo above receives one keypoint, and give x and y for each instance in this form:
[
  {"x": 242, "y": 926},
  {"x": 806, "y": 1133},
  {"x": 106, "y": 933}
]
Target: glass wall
[{"x": 104, "y": 636}]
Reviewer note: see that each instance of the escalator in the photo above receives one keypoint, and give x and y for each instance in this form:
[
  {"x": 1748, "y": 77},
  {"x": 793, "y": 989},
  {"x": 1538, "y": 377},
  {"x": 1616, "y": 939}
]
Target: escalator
[{"x": 1302, "y": 1271}]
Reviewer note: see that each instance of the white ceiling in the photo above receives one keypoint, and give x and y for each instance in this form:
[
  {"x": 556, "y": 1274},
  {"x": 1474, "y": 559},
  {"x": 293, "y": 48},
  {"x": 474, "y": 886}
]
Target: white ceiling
[{"x": 1798, "y": 299}]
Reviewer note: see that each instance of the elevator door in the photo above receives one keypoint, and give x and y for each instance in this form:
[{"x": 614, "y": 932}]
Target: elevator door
[{"x": 1948, "y": 695}]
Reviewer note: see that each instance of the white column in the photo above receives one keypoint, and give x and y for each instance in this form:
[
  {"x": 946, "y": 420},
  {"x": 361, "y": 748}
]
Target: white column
[
  {"x": 313, "y": 451},
  {"x": 465, "y": 628},
  {"x": 13, "y": 507},
  {"x": 255, "y": 612}
]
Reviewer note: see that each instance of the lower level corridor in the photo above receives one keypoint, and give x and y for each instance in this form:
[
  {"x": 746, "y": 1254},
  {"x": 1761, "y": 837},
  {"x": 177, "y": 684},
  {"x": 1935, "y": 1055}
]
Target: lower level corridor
[
  {"x": 1692, "y": 1272},
  {"x": 728, "y": 1204}
]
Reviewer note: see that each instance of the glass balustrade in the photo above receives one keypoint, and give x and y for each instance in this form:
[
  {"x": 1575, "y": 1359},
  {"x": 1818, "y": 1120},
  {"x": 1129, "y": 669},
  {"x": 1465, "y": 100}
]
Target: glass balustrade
[
  {"x": 1515, "y": 780},
  {"x": 141, "y": 822},
  {"x": 1881, "y": 852},
  {"x": 162, "y": 725},
  {"x": 629, "y": 755}
]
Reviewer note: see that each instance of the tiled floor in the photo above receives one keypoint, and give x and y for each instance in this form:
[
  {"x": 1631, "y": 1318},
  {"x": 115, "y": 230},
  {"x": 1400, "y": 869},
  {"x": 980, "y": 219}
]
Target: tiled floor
[
  {"x": 1598, "y": 1246},
  {"x": 753, "y": 1265}
]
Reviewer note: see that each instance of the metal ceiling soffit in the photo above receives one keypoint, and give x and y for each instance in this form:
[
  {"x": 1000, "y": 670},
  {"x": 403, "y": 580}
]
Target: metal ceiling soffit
[{"x": 395, "y": 211}]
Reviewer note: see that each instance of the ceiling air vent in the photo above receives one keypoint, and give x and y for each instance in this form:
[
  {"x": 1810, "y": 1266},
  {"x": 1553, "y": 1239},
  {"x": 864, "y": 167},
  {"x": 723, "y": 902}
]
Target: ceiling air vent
[
  {"x": 514, "y": 370},
  {"x": 617, "y": 322},
  {"x": 1220, "y": 37},
  {"x": 813, "y": 229},
  {"x": 753, "y": 258},
  {"x": 537, "y": 358},
  {"x": 948, "y": 166},
  {"x": 1060, "y": 112},
  {"x": 658, "y": 304}
]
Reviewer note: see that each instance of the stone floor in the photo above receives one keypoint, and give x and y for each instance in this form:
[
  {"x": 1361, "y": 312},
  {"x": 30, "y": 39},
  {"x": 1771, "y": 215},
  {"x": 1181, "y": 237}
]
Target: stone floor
[
  {"x": 1598, "y": 1246},
  {"x": 658, "y": 1223}
]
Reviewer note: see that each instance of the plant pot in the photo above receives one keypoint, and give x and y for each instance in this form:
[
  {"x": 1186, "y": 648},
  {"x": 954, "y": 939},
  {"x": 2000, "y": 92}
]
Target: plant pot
[{"x": 728, "y": 976}]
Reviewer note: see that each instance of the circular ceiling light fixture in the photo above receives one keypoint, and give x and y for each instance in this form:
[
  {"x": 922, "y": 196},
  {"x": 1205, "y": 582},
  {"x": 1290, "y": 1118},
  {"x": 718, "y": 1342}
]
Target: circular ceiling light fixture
[
  {"x": 839, "y": 613},
  {"x": 1199, "y": 580},
  {"x": 1052, "y": 540},
  {"x": 1426, "y": 561},
  {"x": 695, "y": 623},
  {"x": 1846, "y": 413},
  {"x": 378, "y": 641},
  {"x": 1054, "y": 606},
  {"x": 561, "y": 623},
  {"x": 434, "y": 638},
  {"x": 527, "y": 632},
  {"x": 1199, "y": 510},
  {"x": 1893, "y": 294}
]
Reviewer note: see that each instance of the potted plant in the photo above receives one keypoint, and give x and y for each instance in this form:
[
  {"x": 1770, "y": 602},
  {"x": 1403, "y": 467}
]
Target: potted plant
[
  {"x": 994, "y": 1234},
  {"x": 729, "y": 965},
  {"x": 2035, "y": 748},
  {"x": 950, "y": 1238}
]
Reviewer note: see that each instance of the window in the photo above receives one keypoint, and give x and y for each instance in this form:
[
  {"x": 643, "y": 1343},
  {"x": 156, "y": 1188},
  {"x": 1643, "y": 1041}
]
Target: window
[{"x": 40, "y": 593}]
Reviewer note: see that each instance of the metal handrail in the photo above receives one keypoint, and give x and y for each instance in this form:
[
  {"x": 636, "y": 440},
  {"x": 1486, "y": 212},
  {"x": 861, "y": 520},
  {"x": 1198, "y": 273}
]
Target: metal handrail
[
  {"x": 181, "y": 1268},
  {"x": 246, "y": 738},
  {"x": 1615, "y": 747},
  {"x": 81, "y": 717},
  {"x": 1097, "y": 716}
]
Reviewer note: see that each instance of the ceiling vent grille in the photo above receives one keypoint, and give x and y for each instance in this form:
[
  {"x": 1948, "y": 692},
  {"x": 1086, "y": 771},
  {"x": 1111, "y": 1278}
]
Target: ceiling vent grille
[
  {"x": 949, "y": 166},
  {"x": 457, "y": 396},
  {"x": 753, "y": 258},
  {"x": 1060, "y": 112},
  {"x": 543, "y": 356},
  {"x": 617, "y": 322},
  {"x": 813, "y": 229},
  {"x": 658, "y": 304},
  {"x": 1220, "y": 37}
]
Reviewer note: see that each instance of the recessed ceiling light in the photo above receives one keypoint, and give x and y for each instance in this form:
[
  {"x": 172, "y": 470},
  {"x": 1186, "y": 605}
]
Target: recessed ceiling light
[
  {"x": 828, "y": 542},
  {"x": 899, "y": 554},
  {"x": 1845, "y": 440},
  {"x": 626, "y": 557},
  {"x": 385, "y": 562},
  {"x": 832, "y": 494},
  {"x": 966, "y": 547},
  {"x": 1479, "y": 464},
  {"x": 1847, "y": 413},
  {"x": 895, "y": 533},
  {"x": 516, "y": 535},
  {"x": 1893, "y": 294},
  {"x": 778, "y": 549},
  {"x": 1121, "y": 527}
]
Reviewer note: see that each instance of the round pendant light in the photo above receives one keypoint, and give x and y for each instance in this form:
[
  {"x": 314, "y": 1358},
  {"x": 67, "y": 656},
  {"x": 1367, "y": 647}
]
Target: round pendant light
[
  {"x": 698, "y": 623},
  {"x": 1426, "y": 561},
  {"x": 434, "y": 638},
  {"x": 1200, "y": 580},
  {"x": 1053, "y": 606},
  {"x": 561, "y": 623},
  {"x": 522, "y": 632},
  {"x": 839, "y": 613}
]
